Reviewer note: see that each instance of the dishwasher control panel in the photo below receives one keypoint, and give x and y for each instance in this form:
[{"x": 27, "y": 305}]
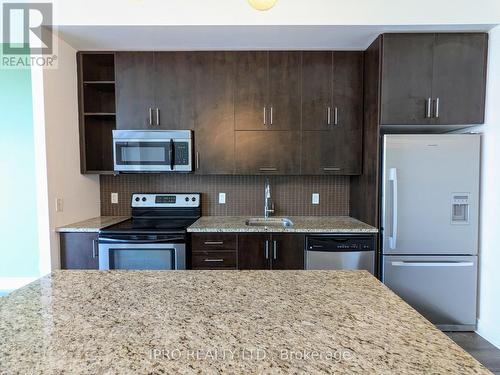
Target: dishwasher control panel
[
  {"x": 340, "y": 252},
  {"x": 340, "y": 243}
]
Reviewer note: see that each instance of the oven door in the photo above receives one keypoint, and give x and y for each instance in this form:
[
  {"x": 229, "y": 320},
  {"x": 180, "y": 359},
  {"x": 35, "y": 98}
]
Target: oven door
[
  {"x": 141, "y": 254},
  {"x": 152, "y": 155}
]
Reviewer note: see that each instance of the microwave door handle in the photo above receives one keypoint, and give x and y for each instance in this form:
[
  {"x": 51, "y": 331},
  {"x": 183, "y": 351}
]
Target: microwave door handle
[{"x": 171, "y": 154}]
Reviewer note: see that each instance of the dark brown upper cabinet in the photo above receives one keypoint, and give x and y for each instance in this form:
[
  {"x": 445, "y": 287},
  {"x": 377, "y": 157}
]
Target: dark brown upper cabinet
[
  {"x": 459, "y": 78},
  {"x": 332, "y": 151},
  {"x": 264, "y": 152},
  {"x": 214, "y": 112},
  {"x": 266, "y": 251},
  {"x": 134, "y": 90},
  {"x": 433, "y": 79},
  {"x": 332, "y": 89},
  {"x": 268, "y": 92},
  {"x": 174, "y": 91},
  {"x": 154, "y": 90},
  {"x": 332, "y": 115}
]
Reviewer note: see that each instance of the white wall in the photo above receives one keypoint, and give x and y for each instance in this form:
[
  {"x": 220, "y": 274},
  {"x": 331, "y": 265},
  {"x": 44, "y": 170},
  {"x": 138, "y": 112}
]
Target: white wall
[
  {"x": 489, "y": 282},
  {"x": 80, "y": 193},
  {"x": 285, "y": 12}
]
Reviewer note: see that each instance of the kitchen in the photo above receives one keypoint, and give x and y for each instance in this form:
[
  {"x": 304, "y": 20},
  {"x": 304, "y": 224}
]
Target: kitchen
[{"x": 240, "y": 194}]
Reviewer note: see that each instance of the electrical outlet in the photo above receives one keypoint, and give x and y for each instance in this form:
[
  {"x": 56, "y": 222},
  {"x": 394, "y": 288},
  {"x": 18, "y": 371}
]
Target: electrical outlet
[
  {"x": 114, "y": 198},
  {"x": 222, "y": 198},
  {"x": 59, "y": 205},
  {"x": 315, "y": 198}
]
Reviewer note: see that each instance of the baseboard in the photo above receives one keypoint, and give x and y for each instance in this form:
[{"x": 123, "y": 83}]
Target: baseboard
[
  {"x": 11, "y": 283},
  {"x": 489, "y": 332}
]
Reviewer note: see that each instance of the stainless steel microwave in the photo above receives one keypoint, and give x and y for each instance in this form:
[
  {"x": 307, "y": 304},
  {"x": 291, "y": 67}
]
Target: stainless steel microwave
[{"x": 152, "y": 150}]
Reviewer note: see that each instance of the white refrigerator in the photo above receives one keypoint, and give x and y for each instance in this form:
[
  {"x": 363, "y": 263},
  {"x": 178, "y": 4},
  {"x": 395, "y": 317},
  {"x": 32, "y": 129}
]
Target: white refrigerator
[{"x": 430, "y": 204}]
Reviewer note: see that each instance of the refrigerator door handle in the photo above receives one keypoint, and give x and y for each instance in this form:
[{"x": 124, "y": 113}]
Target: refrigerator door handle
[
  {"x": 393, "y": 177},
  {"x": 432, "y": 264}
]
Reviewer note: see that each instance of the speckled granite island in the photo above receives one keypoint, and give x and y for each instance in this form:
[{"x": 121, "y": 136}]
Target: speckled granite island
[
  {"x": 301, "y": 224},
  {"x": 208, "y": 322}
]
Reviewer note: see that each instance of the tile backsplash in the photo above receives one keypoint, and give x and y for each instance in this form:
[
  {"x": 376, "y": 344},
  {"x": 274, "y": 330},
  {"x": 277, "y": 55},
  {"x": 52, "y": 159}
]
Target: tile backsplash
[{"x": 244, "y": 194}]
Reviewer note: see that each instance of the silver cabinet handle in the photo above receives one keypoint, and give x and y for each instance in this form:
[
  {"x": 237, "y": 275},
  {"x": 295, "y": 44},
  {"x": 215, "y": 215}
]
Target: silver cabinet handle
[
  {"x": 197, "y": 160},
  {"x": 436, "y": 112},
  {"x": 268, "y": 169},
  {"x": 150, "y": 116},
  {"x": 329, "y": 116},
  {"x": 431, "y": 264},
  {"x": 213, "y": 260},
  {"x": 428, "y": 113},
  {"x": 331, "y": 169},
  {"x": 267, "y": 249},
  {"x": 271, "y": 115},
  {"x": 214, "y": 242},
  {"x": 335, "y": 116},
  {"x": 265, "y": 116},
  {"x": 157, "y": 117},
  {"x": 95, "y": 250},
  {"x": 393, "y": 177},
  {"x": 275, "y": 250}
]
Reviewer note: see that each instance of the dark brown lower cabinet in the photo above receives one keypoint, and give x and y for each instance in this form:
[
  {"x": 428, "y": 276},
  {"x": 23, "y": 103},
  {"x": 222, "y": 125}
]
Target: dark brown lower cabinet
[
  {"x": 214, "y": 251},
  {"x": 252, "y": 253},
  {"x": 79, "y": 251},
  {"x": 287, "y": 252},
  {"x": 270, "y": 251}
]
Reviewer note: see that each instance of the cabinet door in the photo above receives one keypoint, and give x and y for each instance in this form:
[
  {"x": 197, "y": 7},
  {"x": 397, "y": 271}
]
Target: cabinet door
[
  {"x": 284, "y": 91},
  {"x": 266, "y": 152},
  {"x": 459, "y": 79},
  {"x": 174, "y": 90},
  {"x": 251, "y": 90},
  {"x": 79, "y": 251},
  {"x": 348, "y": 93},
  {"x": 254, "y": 251},
  {"x": 406, "y": 78},
  {"x": 214, "y": 93},
  {"x": 134, "y": 90},
  {"x": 317, "y": 81},
  {"x": 336, "y": 151},
  {"x": 287, "y": 252}
]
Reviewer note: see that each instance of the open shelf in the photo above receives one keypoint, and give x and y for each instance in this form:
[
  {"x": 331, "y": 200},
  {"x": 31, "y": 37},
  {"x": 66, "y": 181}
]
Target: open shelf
[{"x": 97, "y": 111}]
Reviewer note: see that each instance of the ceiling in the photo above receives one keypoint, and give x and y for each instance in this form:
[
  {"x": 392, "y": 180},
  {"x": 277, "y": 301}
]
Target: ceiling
[{"x": 337, "y": 37}]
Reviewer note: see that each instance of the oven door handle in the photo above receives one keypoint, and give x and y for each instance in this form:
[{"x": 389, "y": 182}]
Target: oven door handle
[{"x": 116, "y": 240}]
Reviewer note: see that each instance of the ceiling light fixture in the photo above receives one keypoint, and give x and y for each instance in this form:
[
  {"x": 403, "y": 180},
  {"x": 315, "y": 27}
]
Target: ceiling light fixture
[{"x": 262, "y": 4}]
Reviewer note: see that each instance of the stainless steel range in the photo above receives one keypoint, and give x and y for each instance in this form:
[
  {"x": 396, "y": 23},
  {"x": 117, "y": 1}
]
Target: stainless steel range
[{"x": 154, "y": 238}]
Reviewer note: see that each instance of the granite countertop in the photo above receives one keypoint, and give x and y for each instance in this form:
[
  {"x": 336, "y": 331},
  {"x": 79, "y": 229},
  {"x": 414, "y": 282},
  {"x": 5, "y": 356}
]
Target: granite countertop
[
  {"x": 159, "y": 322},
  {"x": 302, "y": 224},
  {"x": 92, "y": 225}
]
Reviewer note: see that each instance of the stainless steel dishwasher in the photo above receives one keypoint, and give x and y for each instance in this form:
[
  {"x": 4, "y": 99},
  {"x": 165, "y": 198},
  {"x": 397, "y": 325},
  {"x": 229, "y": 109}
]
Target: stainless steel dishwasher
[{"x": 340, "y": 252}]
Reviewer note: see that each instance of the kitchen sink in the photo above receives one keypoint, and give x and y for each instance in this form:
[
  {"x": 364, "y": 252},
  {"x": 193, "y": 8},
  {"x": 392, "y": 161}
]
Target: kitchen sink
[{"x": 269, "y": 222}]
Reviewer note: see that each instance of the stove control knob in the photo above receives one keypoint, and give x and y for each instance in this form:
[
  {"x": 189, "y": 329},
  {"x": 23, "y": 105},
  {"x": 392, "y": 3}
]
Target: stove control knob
[
  {"x": 187, "y": 199},
  {"x": 144, "y": 199},
  {"x": 193, "y": 199},
  {"x": 137, "y": 199}
]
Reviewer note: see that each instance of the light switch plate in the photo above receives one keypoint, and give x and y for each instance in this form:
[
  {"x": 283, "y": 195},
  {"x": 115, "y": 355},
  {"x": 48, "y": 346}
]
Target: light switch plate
[
  {"x": 222, "y": 198},
  {"x": 315, "y": 198},
  {"x": 59, "y": 205},
  {"x": 114, "y": 198}
]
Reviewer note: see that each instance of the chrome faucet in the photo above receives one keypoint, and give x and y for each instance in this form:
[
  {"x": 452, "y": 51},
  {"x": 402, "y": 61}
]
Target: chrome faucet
[{"x": 268, "y": 205}]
